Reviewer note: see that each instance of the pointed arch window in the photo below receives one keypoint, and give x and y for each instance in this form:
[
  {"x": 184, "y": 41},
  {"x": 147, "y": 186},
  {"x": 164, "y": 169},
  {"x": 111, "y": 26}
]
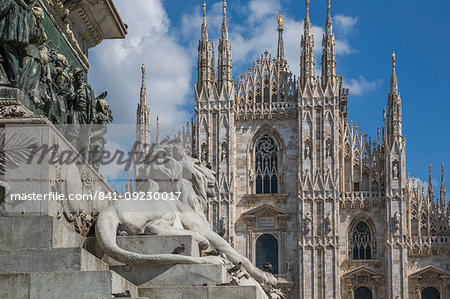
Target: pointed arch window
[
  {"x": 266, "y": 166},
  {"x": 362, "y": 241}
]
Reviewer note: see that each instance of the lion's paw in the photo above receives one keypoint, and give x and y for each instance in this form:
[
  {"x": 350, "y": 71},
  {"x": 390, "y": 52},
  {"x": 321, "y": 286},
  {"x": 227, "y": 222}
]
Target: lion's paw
[{"x": 269, "y": 279}]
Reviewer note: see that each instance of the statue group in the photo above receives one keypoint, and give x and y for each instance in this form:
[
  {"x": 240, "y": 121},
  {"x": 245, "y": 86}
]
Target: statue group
[{"x": 55, "y": 88}]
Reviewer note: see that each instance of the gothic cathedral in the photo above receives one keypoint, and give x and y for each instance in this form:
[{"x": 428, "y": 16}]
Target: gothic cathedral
[{"x": 300, "y": 187}]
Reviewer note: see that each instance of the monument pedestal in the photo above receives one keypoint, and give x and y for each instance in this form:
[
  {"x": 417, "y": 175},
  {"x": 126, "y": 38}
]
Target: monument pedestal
[{"x": 197, "y": 281}]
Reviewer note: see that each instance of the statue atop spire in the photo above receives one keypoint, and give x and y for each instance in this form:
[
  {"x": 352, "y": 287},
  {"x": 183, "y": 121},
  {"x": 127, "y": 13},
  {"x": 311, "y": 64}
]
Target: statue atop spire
[
  {"x": 280, "y": 22},
  {"x": 280, "y": 50},
  {"x": 394, "y": 82}
]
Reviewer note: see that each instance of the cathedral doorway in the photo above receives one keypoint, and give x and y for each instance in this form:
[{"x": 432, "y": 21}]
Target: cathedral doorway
[
  {"x": 430, "y": 293},
  {"x": 267, "y": 251},
  {"x": 363, "y": 293}
]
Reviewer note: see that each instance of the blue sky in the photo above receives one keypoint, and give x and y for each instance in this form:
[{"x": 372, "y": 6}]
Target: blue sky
[{"x": 164, "y": 35}]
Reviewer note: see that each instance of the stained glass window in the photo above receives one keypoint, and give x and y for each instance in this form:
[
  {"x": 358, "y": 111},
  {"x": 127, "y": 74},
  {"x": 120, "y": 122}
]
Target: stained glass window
[
  {"x": 361, "y": 241},
  {"x": 266, "y": 166}
]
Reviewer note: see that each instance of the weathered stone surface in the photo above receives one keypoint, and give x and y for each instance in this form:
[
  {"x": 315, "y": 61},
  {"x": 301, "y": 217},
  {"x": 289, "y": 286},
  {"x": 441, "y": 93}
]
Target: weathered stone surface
[
  {"x": 36, "y": 232},
  {"x": 199, "y": 292},
  {"x": 173, "y": 275},
  {"x": 15, "y": 286},
  {"x": 149, "y": 244},
  {"x": 187, "y": 292},
  {"x": 48, "y": 260},
  {"x": 67, "y": 285},
  {"x": 145, "y": 244}
]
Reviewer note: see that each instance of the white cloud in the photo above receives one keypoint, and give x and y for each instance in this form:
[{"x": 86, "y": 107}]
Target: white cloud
[
  {"x": 343, "y": 47},
  {"x": 116, "y": 65},
  {"x": 360, "y": 86},
  {"x": 259, "y": 9},
  {"x": 345, "y": 24},
  {"x": 258, "y": 33}
]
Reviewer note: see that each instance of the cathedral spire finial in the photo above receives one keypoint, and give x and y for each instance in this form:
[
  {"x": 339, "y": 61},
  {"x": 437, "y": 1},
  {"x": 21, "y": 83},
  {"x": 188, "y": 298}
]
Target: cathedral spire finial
[
  {"x": 224, "y": 65},
  {"x": 394, "y": 107},
  {"x": 394, "y": 81},
  {"x": 143, "y": 98},
  {"x": 204, "y": 68},
  {"x": 224, "y": 21},
  {"x": 329, "y": 22},
  {"x": 430, "y": 185},
  {"x": 280, "y": 51},
  {"x": 204, "y": 25},
  {"x": 328, "y": 52},
  {"x": 307, "y": 61},
  {"x": 307, "y": 24},
  {"x": 204, "y": 12},
  {"x": 157, "y": 130},
  {"x": 443, "y": 196}
]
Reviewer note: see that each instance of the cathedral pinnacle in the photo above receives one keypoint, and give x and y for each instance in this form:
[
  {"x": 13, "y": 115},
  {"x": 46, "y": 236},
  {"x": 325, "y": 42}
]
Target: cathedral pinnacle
[
  {"x": 430, "y": 185},
  {"x": 143, "y": 98},
  {"x": 204, "y": 25},
  {"x": 224, "y": 22},
  {"x": 204, "y": 68},
  {"x": 280, "y": 51},
  {"x": 329, "y": 52},
  {"x": 394, "y": 108},
  {"x": 443, "y": 196},
  {"x": 157, "y": 130},
  {"x": 224, "y": 66},
  {"x": 394, "y": 82},
  {"x": 307, "y": 61},
  {"x": 329, "y": 22},
  {"x": 307, "y": 24}
]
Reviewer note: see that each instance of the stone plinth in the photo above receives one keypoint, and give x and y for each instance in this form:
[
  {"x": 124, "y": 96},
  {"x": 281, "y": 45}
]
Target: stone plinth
[
  {"x": 173, "y": 275},
  {"x": 36, "y": 232},
  {"x": 49, "y": 260},
  {"x": 67, "y": 285},
  {"x": 200, "y": 292},
  {"x": 32, "y": 169}
]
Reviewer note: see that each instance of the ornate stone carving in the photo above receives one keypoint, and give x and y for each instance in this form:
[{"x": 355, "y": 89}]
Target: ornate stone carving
[
  {"x": 362, "y": 279},
  {"x": 307, "y": 223},
  {"x": 396, "y": 221},
  {"x": 395, "y": 170},
  {"x": 329, "y": 222}
]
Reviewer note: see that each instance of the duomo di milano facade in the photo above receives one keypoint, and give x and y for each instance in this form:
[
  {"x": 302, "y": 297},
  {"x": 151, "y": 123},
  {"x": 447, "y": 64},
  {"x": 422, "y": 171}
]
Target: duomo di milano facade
[{"x": 302, "y": 188}]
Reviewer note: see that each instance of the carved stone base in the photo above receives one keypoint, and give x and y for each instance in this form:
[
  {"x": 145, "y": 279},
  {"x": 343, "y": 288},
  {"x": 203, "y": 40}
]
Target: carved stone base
[{"x": 15, "y": 97}]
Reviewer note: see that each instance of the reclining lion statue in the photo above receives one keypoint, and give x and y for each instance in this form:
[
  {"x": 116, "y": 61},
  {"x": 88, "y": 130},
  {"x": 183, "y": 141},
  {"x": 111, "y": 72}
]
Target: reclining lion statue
[{"x": 171, "y": 170}]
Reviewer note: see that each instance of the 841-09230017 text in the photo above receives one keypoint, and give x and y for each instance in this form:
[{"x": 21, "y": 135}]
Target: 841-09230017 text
[{"x": 97, "y": 195}]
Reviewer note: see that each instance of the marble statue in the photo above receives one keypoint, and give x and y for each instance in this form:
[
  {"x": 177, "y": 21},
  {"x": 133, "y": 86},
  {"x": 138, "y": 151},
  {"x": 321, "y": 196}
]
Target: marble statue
[{"x": 172, "y": 170}]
